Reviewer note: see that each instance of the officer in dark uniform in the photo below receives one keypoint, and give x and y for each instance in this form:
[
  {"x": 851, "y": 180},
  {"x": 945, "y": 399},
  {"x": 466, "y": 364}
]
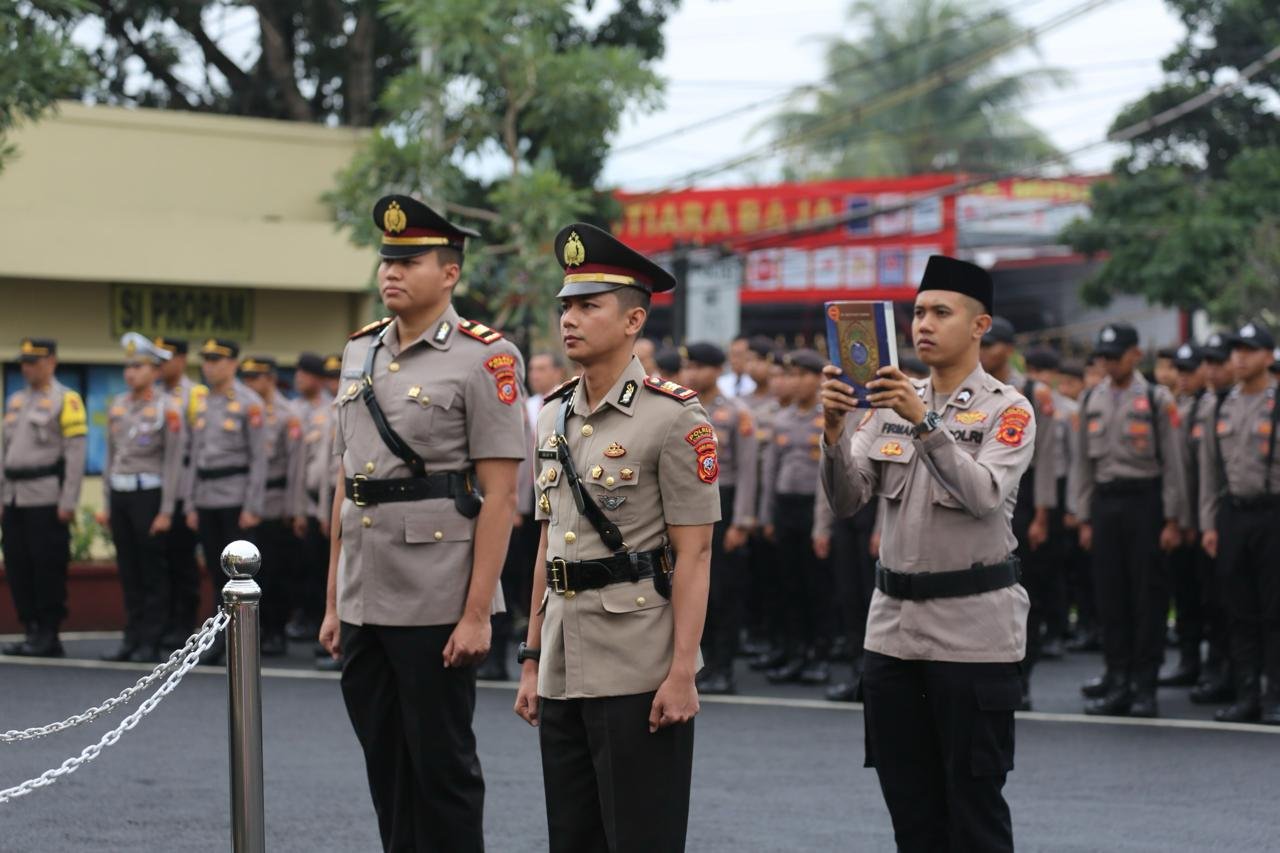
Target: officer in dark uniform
[
  {"x": 42, "y": 453},
  {"x": 628, "y": 466},
  {"x": 431, "y": 435}
]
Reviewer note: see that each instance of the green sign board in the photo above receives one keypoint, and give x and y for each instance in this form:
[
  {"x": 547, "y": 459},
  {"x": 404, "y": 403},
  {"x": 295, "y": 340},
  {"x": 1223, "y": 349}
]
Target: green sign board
[{"x": 181, "y": 312}]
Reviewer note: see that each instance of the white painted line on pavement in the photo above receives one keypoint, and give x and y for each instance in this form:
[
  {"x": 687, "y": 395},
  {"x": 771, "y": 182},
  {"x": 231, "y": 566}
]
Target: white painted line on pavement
[{"x": 750, "y": 701}]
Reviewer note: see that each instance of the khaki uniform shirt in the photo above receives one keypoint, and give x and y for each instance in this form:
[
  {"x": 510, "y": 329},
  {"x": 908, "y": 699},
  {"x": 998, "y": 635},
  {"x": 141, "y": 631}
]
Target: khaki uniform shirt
[
  {"x": 187, "y": 397},
  {"x": 739, "y": 456},
  {"x": 947, "y": 505},
  {"x": 1065, "y": 413},
  {"x": 284, "y": 496},
  {"x": 791, "y": 459},
  {"x": 1192, "y": 432},
  {"x": 764, "y": 408},
  {"x": 41, "y": 427},
  {"x": 229, "y": 432},
  {"x": 1237, "y": 447},
  {"x": 1117, "y": 442},
  {"x": 316, "y": 417},
  {"x": 649, "y": 461},
  {"x": 454, "y": 399},
  {"x": 146, "y": 436},
  {"x": 1045, "y": 478}
]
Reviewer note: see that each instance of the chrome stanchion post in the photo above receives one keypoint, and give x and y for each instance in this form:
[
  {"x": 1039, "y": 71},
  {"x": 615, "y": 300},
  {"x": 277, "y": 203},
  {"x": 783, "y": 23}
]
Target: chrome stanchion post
[{"x": 240, "y": 562}]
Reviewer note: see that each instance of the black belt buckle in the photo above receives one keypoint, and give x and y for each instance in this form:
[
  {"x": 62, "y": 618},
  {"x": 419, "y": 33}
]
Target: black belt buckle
[
  {"x": 559, "y": 577},
  {"x": 355, "y": 490}
]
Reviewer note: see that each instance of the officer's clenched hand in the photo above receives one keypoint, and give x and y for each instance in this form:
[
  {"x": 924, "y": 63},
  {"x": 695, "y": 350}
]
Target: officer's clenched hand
[
  {"x": 837, "y": 401},
  {"x": 193, "y": 520},
  {"x": 65, "y": 516},
  {"x": 300, "y": 527},
  {"x": 161, "y": 523},
  {"x": 331, "y": 634},
  {"x": 676, "y": 702},
  {"x": 469, "y": 642},
  {"x": 527, "y": 694},
  {"x": 893, "y": 390},
  {"x": 1209, "y": 542},
  {"x": 1170, "y": 536},
  {"x": 822, "y": 547},
  {"x": 248, "y": 520},
  {"x": 1086, "y": 536},
  {"x": 735, "y": 537}
]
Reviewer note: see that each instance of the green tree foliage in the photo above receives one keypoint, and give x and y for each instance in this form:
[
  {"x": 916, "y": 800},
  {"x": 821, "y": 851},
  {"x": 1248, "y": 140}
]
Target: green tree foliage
[
  {"x": 1191, "y": 215},
  {"x": 864, "y": 120},
  {"x": 508, "y": 125},
  {"x": 38, "y": 63}
]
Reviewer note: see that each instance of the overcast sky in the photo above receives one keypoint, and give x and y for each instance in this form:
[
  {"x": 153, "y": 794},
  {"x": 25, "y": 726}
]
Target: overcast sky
[{"x": 723, "y": 54}]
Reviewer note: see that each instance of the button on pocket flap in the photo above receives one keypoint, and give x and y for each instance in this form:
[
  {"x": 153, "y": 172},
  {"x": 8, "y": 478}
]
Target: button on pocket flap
[
  {"x": 445, "y": 527},
  {"x": 441, "y": 398},
  {"x": 631, "y": 597},
  {"x": 998, "y": 695},
  {"x": 614, "y": 476}
]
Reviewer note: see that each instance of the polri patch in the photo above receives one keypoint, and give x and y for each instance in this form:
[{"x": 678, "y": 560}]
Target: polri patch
[
  {"x": 1012, "y": 426},
  {"x": 503, "y": 368}
]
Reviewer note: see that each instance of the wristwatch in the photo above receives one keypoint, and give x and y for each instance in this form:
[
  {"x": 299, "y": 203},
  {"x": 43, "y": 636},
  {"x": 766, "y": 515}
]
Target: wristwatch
[
  {"x": 524, "y": 653},
  {"x": 932, "y": 420}
]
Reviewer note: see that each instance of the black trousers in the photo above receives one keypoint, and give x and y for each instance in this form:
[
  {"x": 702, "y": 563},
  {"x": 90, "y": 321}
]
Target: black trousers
[
  {"x": 940, "y": 736},
  {"x": 412, "y": 717},
  {"x": 516, "y": 580},
  {"x": 37, "y": 548},
  {"x": 311, "y": 573},
  {"x": 805, "y": 580},
  {"x": 218, "y": 529},
  {"x": 611, "y": 786},
  {"x": 724, "y": 603},
  {"x": 1130, "y": 576},
  {"x": 184, "y": 575},
  {"x": 855, "y": 573},
  {"x": 1249, "y": 566},
  {"x": 140, "y": 562},
  {"x": 280, "y": 552},
  {"x": 1217, "y": 629},
  {"x": 1185, "y": 575},
  {"x": 761, "y": 614}
]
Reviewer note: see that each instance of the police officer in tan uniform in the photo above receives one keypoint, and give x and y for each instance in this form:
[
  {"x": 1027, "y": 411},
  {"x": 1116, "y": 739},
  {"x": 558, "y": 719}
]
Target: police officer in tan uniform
[
  {"x": 1130, "y": 485},
  {"x": 180, "y": 542},
  {"x": 229, "y": 464},
  {"x": 282, "y": 499},
  {"x": 1240, "y": 517},
  {"x": 760, "y": 618},
  {"x": 430, "y": 434},
  {"x": 311, "y": 524},
  {"x": 628, "y": 475},
  {"x": 146, "y": 437},
  {"x": 739, "y": 469},
  {"x": 947, "y": 625},
  {"x": 42, "y": 448}
]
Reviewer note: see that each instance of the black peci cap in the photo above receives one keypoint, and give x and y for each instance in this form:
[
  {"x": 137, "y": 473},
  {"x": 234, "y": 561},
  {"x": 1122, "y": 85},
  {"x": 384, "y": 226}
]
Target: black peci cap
[
  {"x": 595, "y": 261},
  {"x": 1187, "y": 357},
  {"x": 703, "y": 353},
  {"x": 806, "y": 359},
  {"x": 410, "y": 228},
  {"x": 1115, "y": 339},
  {"x": 311, "y": 363},
  {"x": 944, "y": 273},
  {"x": 1001, "y": 332}
]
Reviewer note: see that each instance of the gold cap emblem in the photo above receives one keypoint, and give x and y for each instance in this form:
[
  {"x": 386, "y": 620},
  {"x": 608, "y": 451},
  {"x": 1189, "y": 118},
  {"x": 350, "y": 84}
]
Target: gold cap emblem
[
  {"x": 394, "y": 219},
  {"x": 574, "y": 252}
]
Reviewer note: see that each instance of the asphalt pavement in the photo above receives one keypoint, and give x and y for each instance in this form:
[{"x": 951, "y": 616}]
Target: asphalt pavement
[{"x": 776, "y": 769}]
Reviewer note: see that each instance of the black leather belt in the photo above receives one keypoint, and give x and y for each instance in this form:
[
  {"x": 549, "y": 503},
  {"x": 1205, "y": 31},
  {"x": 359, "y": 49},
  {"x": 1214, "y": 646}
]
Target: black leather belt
[
  {"x": 1254, "y": 502},
  {"x": 444, "y": 484},
  {"x": 921, "y": 586},
  {"x": 35, "y": 472},
  {"x": 221, "y": 473},
  {"x": 277, "y": 482},
  {"x": 1127, "y": 487},
  {"x": 567, "y": 579}
]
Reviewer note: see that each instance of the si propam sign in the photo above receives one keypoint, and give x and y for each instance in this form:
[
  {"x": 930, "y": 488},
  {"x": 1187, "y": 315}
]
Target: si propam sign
[{"x": 181, "y": 311}]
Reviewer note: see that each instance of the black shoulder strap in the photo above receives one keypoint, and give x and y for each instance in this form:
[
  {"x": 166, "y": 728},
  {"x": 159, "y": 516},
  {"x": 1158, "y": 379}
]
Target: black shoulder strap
[
  {"x": 1217, "y": 444},
  {"x": 390, "y": 437},
  {"x": 608, "y": 531},
  {"x": 1155, "y": 423}
]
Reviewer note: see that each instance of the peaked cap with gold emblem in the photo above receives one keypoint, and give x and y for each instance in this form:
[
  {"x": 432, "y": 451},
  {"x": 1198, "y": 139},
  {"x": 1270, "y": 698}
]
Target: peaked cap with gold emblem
[
  {"x": 411, "y": 228},
  {"x": 595, "y": 261},
  {"x": 34, "y": 349}
]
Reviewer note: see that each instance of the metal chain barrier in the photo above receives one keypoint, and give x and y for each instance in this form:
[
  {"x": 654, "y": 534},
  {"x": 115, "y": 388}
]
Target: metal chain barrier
[
  {"x": 179, "y": 655},
  {"x": 195, "y": 646}
]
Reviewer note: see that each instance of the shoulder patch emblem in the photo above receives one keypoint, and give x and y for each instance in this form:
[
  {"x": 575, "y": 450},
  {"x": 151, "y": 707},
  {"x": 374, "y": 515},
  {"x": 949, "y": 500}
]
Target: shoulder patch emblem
[
  {"x": 671, "y": 389},
  {"x": 702, "y": 439},
  {"x": 73, "y": 420},
  {"x": 479, "y": 331},
  {"x": 1012, "y": 426},
  {"x": 369, "y": 329},
  {"x": 503, "y": 368},
  {"x": 561, "y": 390}
]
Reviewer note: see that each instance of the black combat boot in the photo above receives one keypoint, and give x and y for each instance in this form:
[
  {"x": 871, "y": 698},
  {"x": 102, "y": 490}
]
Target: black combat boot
[
  {"x": 43, "y": 644},
  {"x": 1248, "y": 705},
  {"x": 816, "y": 668},
  {"x": 767, "y": 660},
  {"x": 1116, "y": 703},
  {"x": 15, "y": 648},
  {"x": 1215, "y": 687},
  {"x": 1096, "y": 688},
  {"x": 1186, "y": 673},
  {"x": 788, "y": 672},
  {"x": 1144, "y": 696}
]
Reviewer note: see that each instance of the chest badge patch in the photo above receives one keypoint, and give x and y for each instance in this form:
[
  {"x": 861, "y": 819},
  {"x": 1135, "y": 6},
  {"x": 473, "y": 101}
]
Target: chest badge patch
[
  {"x": 971, "y": 418},
  {"x": 612, "y": 502},
  {"x": 891, "y": 448},
  {"x": 615, "y": 450},
  {"x": 1013, "y": 425}
]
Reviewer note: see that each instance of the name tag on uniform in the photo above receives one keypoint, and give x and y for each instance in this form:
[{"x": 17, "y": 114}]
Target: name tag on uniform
[{"x": 546, "y": 454}]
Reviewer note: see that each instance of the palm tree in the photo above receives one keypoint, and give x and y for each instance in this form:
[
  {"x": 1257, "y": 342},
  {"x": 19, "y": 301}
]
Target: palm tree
[{"x": 919, "y": 92}]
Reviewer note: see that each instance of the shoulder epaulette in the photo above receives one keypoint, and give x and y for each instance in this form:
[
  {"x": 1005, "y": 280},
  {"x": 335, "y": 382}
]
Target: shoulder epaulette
[
  {"x": 562, "y": 389},
  {"x": 479, "y": 331},
  {"x": 669, "y": 388},
  {"x": 369, "y": 329}
]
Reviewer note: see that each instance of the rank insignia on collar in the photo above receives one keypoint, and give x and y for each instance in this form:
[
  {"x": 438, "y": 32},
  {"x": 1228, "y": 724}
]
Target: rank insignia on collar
[
  {"x": 964, "y": 396},
  {"x": 544, "y": 503},
  {"x": 442, "y": 333},
  {"x": 614, "y": 450},
  {"x": 628, "y": 393}
]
